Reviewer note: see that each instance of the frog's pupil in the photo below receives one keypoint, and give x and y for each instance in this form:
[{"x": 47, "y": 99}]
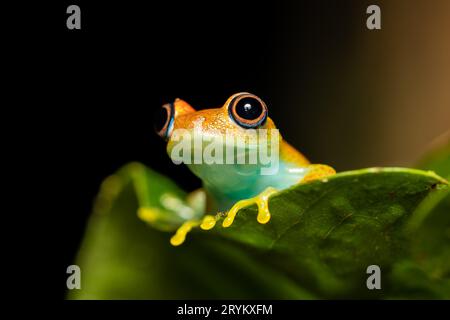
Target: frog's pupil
[
  {"x": 249, "y": 108},
  {"x": 160, "y": 118}
]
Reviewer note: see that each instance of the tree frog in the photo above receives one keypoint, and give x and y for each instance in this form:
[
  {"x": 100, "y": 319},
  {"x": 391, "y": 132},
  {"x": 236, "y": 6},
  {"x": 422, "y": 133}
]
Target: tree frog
[{"x": 230, "y": 185}]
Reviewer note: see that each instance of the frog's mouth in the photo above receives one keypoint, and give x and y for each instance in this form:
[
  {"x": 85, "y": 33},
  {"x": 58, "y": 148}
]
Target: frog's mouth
[
  {"x": 235, "y": 155},
  {"x": 213, "y": 151},
  {"x": 214, "y": 141}
]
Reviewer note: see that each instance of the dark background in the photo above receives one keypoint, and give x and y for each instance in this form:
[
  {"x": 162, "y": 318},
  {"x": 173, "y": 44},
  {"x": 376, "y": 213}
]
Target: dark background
[{"x": 342, "y": 94}]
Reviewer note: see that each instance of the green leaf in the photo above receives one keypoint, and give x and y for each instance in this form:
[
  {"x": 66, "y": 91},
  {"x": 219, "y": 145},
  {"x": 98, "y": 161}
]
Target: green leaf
[
  {"x": 325, "y": 234},
  {"x": 318, "y": 244},
  {"x": 123, "y": 258}
]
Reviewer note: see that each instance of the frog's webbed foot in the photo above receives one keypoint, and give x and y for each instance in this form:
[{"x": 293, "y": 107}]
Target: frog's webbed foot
[
  {"x": 318, "y": 171},
  {"x": 261, "y": 200},
  {"x": 209, "y": 221}
]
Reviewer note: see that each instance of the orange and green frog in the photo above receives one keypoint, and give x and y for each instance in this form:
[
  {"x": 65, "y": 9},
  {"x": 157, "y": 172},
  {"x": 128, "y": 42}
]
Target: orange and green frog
[{"x": 236, "y": 176}]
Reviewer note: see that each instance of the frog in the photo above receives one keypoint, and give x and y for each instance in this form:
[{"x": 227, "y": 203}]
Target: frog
[
  {"x": 230, "y": 187},
  {"x": 227, "y": 186}
]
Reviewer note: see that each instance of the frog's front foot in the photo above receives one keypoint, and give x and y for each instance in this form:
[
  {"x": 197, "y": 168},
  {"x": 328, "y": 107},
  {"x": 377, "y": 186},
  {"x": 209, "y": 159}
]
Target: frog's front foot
[
  {"x": 261, "y": 200},
  {"x": 208, "y": 221}
]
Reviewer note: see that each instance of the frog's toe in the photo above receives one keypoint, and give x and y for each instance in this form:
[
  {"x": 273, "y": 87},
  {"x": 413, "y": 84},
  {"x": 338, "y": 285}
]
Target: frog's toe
[
  {"x": 261, "y": 200},
  {"x": 180, "y": 235},
  {"x": 206, "y": 223}
]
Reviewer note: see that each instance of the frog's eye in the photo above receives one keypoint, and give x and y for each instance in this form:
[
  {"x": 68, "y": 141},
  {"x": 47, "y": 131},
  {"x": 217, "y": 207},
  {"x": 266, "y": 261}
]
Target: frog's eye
[
  {"x": 164, "y": 120},
  {"x": 248, "y": 110}
]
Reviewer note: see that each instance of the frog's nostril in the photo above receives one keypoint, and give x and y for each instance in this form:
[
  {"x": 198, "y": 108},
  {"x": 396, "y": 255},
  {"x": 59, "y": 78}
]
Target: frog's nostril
[{"x": 163, "y": 120}]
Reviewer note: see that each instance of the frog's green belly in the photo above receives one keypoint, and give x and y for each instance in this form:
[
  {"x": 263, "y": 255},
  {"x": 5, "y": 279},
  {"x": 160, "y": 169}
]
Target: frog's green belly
[{"x": 228, "y": 183}]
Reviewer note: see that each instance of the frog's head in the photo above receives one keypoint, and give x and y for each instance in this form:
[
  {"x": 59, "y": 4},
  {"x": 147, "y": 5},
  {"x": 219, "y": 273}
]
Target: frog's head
[
  {"x": 242, "y": 111},
  {"x": 235, "y": 119}
]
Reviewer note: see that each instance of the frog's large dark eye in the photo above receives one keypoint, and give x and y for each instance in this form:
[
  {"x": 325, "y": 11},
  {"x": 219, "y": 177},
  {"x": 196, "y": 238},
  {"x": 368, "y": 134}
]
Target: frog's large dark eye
[
  {"x": 248, "y": 110},
  {"x": 164, "y": 120}
]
